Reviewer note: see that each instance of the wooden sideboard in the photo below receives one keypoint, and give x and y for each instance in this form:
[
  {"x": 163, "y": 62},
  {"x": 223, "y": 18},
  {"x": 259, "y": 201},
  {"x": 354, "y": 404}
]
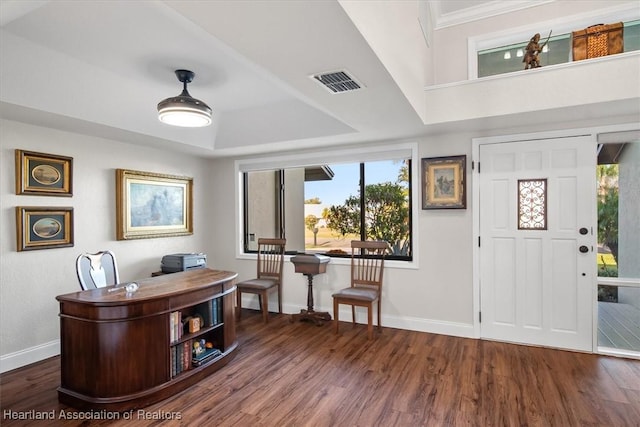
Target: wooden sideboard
[{"x": 118, "y": 351}]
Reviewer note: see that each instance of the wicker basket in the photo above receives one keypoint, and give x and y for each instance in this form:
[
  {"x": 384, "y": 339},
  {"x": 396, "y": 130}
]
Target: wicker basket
[{"x": 598, "y": 40}]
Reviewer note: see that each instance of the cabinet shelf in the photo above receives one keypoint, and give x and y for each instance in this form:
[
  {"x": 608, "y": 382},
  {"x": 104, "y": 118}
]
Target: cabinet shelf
[{"x": 194, "y": 335}]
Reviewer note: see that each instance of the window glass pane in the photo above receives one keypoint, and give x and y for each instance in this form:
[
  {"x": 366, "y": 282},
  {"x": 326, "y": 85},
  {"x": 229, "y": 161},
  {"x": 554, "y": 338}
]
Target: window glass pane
[
  {"x": 387, "y": 204},
  {"x": 506, "y": 59},
  {"x": 293, "y": 209},
  {"x": 532, "y": 204},
  {"x": 332, "y": 208},
  {"x": 618, "y": 174},
  {"x": 261, "y": 209},
  {"x": 319, "y": 209},
  {"x": 631, "y": 36}
]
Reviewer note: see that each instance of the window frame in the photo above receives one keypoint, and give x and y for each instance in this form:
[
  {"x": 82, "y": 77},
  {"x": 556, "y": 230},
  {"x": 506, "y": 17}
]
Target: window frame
[
  {"x": 407, "y": 150},
  {"x": 475, "y": 44}
]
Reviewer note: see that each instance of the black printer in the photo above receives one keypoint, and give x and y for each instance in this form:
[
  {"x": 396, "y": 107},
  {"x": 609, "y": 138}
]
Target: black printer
[{"x": 183, "y": 262}]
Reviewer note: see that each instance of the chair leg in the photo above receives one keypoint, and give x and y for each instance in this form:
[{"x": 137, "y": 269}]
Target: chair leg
[
  {"x": 353, "y": 314},
  {"x": 279, "y": 299},
  {"x": 265, "y": 306},
  {"x": 335, "y": 314},
  {"x": 370, "y": 321},
  {"x": 379, "y": 311}
]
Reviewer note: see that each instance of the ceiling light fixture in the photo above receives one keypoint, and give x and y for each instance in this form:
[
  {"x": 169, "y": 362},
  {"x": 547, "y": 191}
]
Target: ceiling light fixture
[{"x": 184, "y": 110}]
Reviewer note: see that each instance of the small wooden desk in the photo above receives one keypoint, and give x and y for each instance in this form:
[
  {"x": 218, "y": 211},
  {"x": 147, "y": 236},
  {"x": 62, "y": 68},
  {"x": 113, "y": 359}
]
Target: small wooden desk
[{"x": 310, "y": 265}]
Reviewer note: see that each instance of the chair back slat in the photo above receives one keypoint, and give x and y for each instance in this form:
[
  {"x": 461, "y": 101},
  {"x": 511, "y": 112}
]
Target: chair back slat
[
  {"x": 270, "y": 257},
  {"x": 367, "y": 263},
  {"x": 97, "y": 270}
]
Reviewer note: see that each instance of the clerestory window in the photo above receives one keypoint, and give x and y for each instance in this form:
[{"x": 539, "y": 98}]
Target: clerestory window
[{"x": 557, "y": 50}]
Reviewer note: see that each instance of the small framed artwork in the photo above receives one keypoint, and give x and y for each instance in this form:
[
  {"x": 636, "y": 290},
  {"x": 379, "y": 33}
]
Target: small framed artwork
[
  {"x": 153, "y": 205},
  {"x": 44, "y": 227},
  {"x": 443, "y": 182},
  {"x": 43, "y": 174}
]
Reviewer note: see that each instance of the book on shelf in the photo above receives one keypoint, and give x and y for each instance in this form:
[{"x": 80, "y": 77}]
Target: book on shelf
[
  {"x": 204, "y": 309},
  {"x": 216, "y": 310},
  {"x": 211, "y": 312},
  {"x": 175, "y": 326},
  {"x": 186, "y": 353},
  {"x": 181, "y": 357}
]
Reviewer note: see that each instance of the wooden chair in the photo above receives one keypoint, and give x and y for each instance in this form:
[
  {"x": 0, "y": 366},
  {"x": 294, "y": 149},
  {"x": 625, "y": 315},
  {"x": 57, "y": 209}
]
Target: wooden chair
[
  {"x": 97, "y": 270},
  {"x": 269, "y": 276},
  {"x": 367, "y": 268}
]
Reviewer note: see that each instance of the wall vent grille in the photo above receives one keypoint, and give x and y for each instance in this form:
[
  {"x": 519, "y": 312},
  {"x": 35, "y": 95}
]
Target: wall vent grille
[{"x": 338, "y": 81}]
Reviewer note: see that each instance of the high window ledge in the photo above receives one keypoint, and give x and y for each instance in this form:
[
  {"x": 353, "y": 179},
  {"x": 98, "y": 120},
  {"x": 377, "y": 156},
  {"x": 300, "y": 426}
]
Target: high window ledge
[{"x": 599, "y": 80}]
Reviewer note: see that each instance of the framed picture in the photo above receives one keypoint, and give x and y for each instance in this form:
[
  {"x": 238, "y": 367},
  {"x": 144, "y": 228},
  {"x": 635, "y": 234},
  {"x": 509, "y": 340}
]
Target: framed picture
[
  {"x": 43, "y": 174},
  {"x": 153, "y": 205},
  {"x": 443, "y": 182},
  {"x": 44, "y": 227}
]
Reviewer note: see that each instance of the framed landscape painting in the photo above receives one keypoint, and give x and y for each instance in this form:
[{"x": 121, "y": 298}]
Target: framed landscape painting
[
  {"x": 153, "y": 205},
  {"x": 443, "y": 182},
  {"x": 43, "y": 174},
  {"x": 44, "y": 227}
]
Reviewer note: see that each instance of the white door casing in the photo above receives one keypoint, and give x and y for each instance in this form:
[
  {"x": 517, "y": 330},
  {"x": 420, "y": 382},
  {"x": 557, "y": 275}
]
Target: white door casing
[{"x": 536, "y": 287}]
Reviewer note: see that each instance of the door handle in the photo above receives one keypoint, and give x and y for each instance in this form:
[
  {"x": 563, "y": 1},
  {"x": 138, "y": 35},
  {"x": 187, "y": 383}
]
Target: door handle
[
  {"x": 584, "y": 230},
  {"x": 584, "y": 249}
]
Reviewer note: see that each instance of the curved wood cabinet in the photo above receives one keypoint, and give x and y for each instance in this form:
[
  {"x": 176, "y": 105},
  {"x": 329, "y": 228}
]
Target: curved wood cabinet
[{"x": 117, "y": 348}]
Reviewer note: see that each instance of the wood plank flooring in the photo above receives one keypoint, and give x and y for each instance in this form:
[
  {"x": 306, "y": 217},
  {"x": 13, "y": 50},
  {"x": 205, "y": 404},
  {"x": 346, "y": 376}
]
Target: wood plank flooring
[
  {"x": 299, "y": 374},
  {"x": 618, "y": 326}
]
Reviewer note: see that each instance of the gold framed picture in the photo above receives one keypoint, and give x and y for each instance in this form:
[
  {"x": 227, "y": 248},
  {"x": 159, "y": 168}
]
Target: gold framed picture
[
  {"x": 153, "y": 205},
  {"x": 43, "y": 174},
  {"x": 44, "y": 227},
  {"x": 444, "y": 183}
]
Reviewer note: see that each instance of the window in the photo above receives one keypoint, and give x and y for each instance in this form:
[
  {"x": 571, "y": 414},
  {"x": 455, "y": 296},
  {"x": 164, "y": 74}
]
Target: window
[
  {"x": 532, "y": 204},
  {"x": 508, "y": 58},
  {"x": 321, "y": 207}
]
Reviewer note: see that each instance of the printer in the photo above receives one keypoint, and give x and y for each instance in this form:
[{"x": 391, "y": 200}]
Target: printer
[{"x": 183, "y": 262}]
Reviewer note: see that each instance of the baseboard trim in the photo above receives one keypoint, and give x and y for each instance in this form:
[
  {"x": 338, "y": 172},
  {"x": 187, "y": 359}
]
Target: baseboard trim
[
  {"x": 463, "y": 330},
  {"x": 29, "y": 355},
  {"x": 455, "y": 329}
]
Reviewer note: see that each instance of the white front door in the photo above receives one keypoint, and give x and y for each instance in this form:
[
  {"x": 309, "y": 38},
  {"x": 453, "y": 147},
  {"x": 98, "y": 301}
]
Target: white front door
[{"x": 537, "y": 237}]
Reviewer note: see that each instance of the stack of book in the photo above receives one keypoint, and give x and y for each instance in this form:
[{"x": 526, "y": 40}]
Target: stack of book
[
  {"x": 180, "y": 357},
  {"x": 205, "y": 356},
  {"x": 211, "y": 312}
]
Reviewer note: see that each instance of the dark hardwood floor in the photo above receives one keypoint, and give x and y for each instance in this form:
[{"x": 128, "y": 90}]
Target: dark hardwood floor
[{"x": 299, "y": 374}]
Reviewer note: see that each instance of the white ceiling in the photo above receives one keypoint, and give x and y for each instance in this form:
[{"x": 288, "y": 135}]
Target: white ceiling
[{"x": 100, "y": 68}]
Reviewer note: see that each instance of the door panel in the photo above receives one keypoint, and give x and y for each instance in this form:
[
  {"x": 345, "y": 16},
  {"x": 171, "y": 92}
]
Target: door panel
[{"x": 536, "y": 286}]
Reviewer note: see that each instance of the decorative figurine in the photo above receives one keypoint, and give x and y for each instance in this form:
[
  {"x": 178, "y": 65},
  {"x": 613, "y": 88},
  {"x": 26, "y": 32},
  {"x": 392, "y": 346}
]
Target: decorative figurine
[
  {"x": 197, "y": 349},
  {"x": 532, "y": 50}
]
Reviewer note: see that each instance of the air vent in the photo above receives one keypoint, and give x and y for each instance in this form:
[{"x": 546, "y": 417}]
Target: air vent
[{"x": 338, "y": 81}]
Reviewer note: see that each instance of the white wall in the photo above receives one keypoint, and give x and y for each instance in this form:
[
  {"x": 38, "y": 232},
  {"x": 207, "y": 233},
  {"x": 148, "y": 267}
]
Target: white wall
[{"x": 30, "y": 280}]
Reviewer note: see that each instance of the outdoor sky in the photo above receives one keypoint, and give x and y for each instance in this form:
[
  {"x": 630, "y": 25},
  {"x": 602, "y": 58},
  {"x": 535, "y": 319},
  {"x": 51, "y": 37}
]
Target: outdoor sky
[{"x": 345, "y": 181}]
